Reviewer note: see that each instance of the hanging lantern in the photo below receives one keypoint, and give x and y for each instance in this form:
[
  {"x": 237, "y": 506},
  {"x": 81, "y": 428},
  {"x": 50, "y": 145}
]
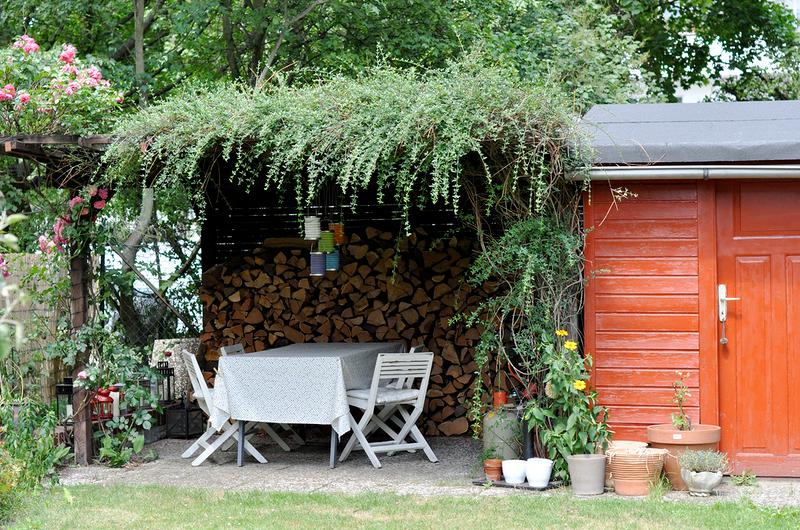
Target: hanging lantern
[
  {"x": 317, "y": 264},
  {"x": 64, "y": 401},
  {"x": 165, "y": 386},
  {"x": 332, "y": 260},
  {"x": 338, "y": 232},
  {"x": 312, "y": 227},
  {"x": 326, "y": 241},
  {"x": 103, "y": 405}
]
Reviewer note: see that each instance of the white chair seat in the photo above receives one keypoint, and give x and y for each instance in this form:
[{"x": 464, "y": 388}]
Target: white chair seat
[
  {"x": 386, "y": 395},
  {"x": 400, "y": 404}
]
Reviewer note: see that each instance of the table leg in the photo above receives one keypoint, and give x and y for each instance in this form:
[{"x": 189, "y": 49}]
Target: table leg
[
  {"x": 240, "y": 452},
  {"x": 334, "y": 447}
]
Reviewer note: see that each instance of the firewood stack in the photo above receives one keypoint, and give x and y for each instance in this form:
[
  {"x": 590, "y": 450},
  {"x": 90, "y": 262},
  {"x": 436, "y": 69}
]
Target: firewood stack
[{"x": 385, "y": 291}]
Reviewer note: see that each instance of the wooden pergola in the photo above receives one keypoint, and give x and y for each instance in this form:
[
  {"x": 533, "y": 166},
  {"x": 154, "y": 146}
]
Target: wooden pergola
[{"x": 67, "y": 159}]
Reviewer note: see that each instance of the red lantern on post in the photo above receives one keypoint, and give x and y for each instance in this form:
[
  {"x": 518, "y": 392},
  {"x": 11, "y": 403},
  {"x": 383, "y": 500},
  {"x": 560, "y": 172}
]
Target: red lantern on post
[{"x": 103, "y": 405}]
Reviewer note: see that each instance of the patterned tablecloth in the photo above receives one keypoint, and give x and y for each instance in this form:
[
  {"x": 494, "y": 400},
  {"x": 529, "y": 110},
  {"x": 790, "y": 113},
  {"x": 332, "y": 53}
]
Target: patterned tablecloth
[{"x": 300, "y": 383}]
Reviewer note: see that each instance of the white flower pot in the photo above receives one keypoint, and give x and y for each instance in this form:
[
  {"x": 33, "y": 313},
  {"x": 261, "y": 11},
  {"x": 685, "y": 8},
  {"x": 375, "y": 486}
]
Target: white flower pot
[
  {"x": 701, "y": 484},
  {"x": 514, "y": 471},
  {"x": 538, "y": 471}
]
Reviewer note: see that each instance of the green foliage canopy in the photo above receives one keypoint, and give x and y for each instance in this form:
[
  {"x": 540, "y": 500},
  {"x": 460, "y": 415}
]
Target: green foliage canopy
[{"x": 418, "y": 137}]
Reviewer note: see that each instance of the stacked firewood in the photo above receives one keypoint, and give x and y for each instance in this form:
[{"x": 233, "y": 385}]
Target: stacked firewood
[{"x": 386, "y": 290}]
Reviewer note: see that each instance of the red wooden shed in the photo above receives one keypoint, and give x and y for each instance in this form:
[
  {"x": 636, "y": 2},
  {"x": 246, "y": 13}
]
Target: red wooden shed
[{"x": 686, "y": 199}]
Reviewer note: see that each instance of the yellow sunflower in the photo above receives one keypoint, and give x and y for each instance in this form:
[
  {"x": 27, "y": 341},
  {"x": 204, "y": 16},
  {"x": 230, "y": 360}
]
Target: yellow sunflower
[
  {"x": 571, "y": 345},
  {"x": 561, "y": 333}
]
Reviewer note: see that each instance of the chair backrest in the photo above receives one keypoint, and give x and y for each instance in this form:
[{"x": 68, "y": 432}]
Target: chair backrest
[
  {"x": 407, "y": 368},
  {"x": 231, "y": 350},
  {"x": 415, "y": 349},
  {"x": 201, "y": 390}
]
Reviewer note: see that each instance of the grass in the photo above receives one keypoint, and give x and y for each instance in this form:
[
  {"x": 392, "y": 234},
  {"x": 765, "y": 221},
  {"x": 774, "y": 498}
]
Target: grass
[{"x": 153, "y": 507}]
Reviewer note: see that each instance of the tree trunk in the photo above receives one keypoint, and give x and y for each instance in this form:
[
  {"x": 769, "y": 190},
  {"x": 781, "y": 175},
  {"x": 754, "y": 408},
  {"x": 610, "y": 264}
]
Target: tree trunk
[{"x": 79, "y": 307}]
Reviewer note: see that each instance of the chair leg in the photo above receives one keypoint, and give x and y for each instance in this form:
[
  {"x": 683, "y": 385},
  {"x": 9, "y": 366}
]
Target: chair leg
[
  {"x": 200, "y": 442},
  {"x": 229, "y": 431},
  {"x": 296, "y": 437},
  {"x": 274, "y": 435},
  {"x": 358, "y": 435}
]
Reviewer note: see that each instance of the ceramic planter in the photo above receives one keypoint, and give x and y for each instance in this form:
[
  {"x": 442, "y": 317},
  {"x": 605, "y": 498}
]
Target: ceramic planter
[
  {"x": 538, "y": 471},
  {"x": 668, "y": 437},
  {"x": 587, "y": 474},
  {"x": 514, "y": 471},
  {"x": 701, "y": 484}
]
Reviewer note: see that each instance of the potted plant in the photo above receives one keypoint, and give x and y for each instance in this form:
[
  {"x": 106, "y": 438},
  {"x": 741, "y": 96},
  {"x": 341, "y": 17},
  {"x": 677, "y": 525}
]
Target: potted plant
[
  {"x": 571, "y": 424},
  {"x": 681, "y": 435},
  {"x": 702, "y": 470}
]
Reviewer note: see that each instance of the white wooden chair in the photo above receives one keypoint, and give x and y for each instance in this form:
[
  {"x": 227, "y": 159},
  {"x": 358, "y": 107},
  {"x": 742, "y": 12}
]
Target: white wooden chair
[
  {"x": 236, "y": 349},
  {"x": 384, "y": 404},
  {"x": 205, "y": 398}
]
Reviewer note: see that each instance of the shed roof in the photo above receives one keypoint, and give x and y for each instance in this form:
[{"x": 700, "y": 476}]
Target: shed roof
[{"x": 676, "y": 133}]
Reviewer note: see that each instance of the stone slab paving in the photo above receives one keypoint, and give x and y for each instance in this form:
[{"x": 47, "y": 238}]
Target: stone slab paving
[{"x": 305, "y": 469}]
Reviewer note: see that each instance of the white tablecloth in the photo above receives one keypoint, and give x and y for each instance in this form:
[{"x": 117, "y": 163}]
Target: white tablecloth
[{"x": 300, "y": 383}]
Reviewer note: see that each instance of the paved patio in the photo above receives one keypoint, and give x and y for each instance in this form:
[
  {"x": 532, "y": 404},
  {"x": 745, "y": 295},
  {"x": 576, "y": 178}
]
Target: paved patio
[{"x": 305, "y": 469}]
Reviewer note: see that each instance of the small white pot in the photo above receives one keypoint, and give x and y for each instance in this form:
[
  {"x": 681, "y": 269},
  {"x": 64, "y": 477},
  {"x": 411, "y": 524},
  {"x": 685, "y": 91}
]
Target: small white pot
[
  {"x": 514, "y": 471},
  {"x": 538, "y": 471}
]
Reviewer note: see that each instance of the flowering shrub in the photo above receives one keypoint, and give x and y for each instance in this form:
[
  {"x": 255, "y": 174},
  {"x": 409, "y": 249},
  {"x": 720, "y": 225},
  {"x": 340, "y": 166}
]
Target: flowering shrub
[
  {"x": 570, "y": 421},
  {"x": 77, "y": 223},
  {"x": 45, "y": 92}
]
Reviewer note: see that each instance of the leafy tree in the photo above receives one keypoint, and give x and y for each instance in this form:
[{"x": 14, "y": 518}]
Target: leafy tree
[
  {"x": 678, "y": 36},
  {"x": 779, "y": 81}
]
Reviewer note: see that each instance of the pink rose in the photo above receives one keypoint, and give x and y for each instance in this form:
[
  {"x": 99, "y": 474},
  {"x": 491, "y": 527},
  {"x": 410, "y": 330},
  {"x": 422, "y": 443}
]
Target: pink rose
[
  {"x": 100, "y": 205},
  {"x": 82, "y": 375},
  {"x": 94, "y": 73},
  {"x": 5, "y": 96},
  {"x": 10, "y": 89},
  {"x": 46, "y": 245},
  {"x": 91, "y": 190},
  {"x": 68, "y": 55},
  {"x": 103, "y": 193},
  {"x": 24, "y": 98},
  {"x": 119, "y": 99}
]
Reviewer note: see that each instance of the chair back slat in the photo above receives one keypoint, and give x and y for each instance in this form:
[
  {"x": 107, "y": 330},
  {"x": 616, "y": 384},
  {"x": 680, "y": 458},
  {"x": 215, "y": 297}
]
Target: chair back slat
[
  {"x": 201, "y": 390},
  {"x": 231, "y": 350},
  {"x": 405, "y": 369}
]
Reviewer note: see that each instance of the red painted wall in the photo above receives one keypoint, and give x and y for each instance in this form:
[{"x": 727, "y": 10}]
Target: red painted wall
[{"x": 643, "y": 301}]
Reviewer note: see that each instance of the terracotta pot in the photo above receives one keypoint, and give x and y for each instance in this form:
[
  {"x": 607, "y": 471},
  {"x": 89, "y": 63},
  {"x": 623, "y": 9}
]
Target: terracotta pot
[
  {"x": 493, "y": 468},
  {"x": 634, "y": 469},
  {"x": 618, "y": 444},
  {"x": 666, "y": 436}
]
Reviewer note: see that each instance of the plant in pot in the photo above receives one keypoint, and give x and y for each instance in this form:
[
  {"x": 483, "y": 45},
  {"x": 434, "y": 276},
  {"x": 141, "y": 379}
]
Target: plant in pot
[
  {"x": 492, "y": 464},
  {"x": 702, "y": 470},
  {"x": 681, "y": 435},
  {"x": 571, "y": 424}
]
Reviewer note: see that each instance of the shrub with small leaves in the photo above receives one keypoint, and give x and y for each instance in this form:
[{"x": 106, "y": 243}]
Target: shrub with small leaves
[{"x": 707, "y": 460}]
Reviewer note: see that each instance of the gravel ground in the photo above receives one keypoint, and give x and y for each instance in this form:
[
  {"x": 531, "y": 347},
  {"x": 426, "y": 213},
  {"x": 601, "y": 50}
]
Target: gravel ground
[{"x": 305, "y": 469}]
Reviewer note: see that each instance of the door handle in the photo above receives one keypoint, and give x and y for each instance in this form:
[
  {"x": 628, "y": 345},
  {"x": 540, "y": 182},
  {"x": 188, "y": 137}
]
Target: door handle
[
  {"x": 722, "y": 304},
  {"x": 722, "y": 291}
]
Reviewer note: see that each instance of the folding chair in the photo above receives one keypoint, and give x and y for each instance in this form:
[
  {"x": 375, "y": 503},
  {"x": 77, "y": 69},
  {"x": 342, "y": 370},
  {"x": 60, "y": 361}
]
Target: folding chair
[
  {"x": 235, "y": 349},
  {"x": 205, "y": 398},
  {"x": 383, "y": 404}
]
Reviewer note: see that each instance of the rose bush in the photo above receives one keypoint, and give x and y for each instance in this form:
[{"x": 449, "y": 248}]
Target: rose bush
[{"x": 48, "y": 92}]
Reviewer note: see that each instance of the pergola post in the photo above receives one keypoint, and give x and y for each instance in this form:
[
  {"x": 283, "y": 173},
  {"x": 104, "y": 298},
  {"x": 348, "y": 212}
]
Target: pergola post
[{"x": 79, "y": 308}]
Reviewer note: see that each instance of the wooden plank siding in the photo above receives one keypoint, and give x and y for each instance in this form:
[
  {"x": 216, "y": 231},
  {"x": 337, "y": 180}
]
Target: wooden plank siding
[{"x": 642, "y": 318}]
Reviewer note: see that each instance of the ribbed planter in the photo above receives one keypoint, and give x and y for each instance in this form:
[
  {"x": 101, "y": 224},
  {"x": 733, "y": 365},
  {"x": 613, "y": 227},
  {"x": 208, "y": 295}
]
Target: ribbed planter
[
  {"x": 619, "y": 444},
  {"x": 666, "y": 436},
  {"x": 634, "y": 469}
]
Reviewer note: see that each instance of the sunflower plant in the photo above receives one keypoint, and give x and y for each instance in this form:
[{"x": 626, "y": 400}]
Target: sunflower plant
[{"x": 568, "y": 418}]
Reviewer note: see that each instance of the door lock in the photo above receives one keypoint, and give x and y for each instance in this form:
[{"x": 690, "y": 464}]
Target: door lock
[{"x": 722, "y": 300}]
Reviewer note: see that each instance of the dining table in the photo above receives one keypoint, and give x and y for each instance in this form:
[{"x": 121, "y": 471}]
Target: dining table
[{"x": 304, "y": 383}]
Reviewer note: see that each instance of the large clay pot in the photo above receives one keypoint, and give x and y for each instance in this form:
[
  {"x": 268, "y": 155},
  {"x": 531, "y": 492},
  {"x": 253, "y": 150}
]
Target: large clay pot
[
  {"x": 634, "y": 469},
  {"x": 587, "y": 474},
  {"x": 666, "y": 436}
]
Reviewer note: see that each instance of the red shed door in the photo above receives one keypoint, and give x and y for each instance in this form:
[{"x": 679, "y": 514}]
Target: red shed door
[{"x": 758, "y": 247}]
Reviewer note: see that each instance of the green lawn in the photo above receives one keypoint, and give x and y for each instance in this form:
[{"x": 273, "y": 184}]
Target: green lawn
[{"x": 150, "y": 507}]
